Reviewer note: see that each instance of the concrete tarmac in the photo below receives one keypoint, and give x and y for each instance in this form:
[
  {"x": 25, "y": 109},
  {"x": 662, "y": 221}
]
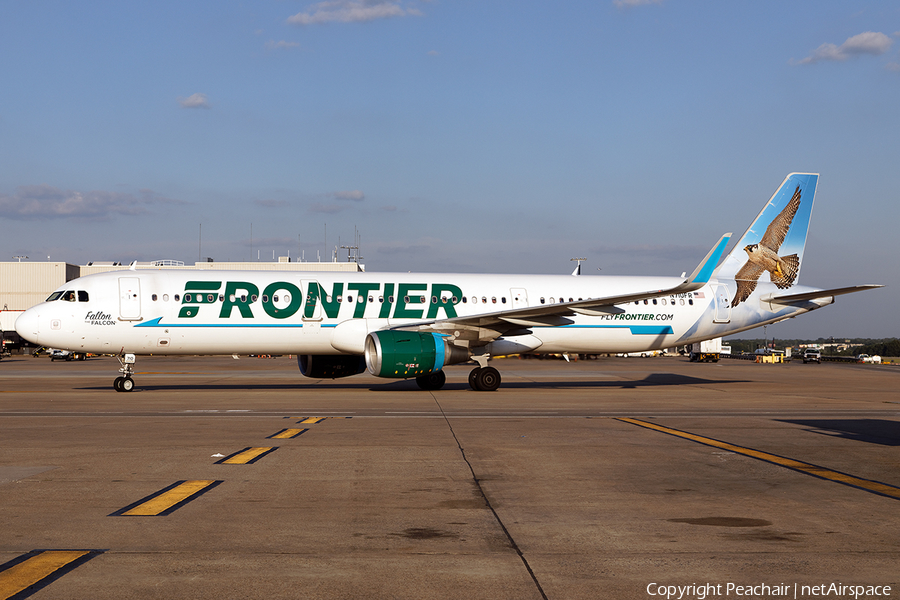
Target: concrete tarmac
[{"x": 597, "y": 479}]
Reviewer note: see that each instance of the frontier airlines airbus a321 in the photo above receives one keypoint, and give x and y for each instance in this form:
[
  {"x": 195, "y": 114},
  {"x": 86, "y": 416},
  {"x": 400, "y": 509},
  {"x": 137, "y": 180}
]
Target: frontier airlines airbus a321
[{"x": 402, "y": 325}]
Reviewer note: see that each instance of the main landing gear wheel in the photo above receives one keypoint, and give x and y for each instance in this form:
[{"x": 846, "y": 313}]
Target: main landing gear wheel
[
  {"x": 472, "y": 375},
  {"x": 485, "y": 379},
  {"x": 432, "y": 381}
]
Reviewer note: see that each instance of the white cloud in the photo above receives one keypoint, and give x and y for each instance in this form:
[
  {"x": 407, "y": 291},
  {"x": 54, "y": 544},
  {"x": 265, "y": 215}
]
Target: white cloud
[
  {"x": 272, "y": 203},
  {"x": 48, "y": 202},
  {"x": 869, "y": 42},
  {"x": 352, "y": 11},
  {"x": 325, "y": 209},
  {"x": 273, "y": 45},
  {"x": 194, "y": 101},
  {"x": 355, "y": 195},
  {"x": 631, "y": 3}
]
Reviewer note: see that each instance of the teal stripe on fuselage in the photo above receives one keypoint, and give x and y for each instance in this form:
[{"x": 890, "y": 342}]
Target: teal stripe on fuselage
[
  {"x": 156, "y": 323},
  {"x": 635, "y": 329}
]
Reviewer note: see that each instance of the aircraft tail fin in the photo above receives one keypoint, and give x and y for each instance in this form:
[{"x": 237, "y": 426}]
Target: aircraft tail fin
[{"x": 775, "y": 240}]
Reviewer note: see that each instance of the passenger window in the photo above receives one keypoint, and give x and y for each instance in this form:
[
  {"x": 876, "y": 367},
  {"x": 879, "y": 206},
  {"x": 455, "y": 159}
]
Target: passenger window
[
  {"x": 691, "y": 301},
  {"x": 494, "y": 299},
  {"x": 371, "y": 299},
  {"x": 646, "y": 302},
  {"x": 434, "y": 299},
  {"x": 542, "y": 300},
  {"x": 463, "y": 299},
  {"x": 153, "y": 297},
  {"x": 503, "y": 300},
  {"x": 210, "y": 297},
  {"x": 390, "y": 299},
  {"x": 381, "y": 299},
  {"x": 654, "y": 302},
  {"x": 165, "y": 297},
  {"x": 177, "y": 297},
  {"x": 82, "y": 296},
  {"x": 266, "y": 298}
]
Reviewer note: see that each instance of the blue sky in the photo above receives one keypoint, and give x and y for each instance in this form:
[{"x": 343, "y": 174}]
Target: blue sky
[{"x": 455, "y": 135}]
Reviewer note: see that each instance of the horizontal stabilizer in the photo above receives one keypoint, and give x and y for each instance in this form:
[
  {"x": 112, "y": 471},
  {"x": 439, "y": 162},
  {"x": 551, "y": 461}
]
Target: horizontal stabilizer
[{"x": 788, "y": 299}]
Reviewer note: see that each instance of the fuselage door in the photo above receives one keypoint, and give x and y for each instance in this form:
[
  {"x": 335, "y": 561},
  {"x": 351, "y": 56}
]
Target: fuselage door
[
  {"x": 723, "y": 305},
  {"x": 312, "y": 306},
  {"x": 129, "y": 299},
  {"x": 519, "y": 297}
]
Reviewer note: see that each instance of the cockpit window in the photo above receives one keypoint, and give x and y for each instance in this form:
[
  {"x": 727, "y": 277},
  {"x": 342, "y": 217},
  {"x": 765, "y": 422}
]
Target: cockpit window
[
  {"x": 69, "y": 296},
  {"x": 82, "y": 296},
  {"x": 54, "y": 296}
]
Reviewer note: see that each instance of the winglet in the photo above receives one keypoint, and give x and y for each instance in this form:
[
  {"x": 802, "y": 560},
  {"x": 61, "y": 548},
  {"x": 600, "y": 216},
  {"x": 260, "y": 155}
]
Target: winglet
[{"x": 706, "y": 267}]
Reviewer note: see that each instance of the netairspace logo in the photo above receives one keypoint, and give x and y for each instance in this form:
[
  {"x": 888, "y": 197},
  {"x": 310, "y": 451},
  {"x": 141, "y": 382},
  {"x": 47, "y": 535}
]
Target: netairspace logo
[{"x": 783, "y": 590}]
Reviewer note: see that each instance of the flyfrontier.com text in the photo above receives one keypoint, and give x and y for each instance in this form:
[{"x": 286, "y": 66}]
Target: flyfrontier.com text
[{"x": 702, "y": 591}]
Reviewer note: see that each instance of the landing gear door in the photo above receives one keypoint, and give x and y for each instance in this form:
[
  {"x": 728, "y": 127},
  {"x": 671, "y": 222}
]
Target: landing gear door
[
  {"x": 723, "y": 305},
  {"x": 312, "y": 306},
  {"x": 129, "y": 299}
]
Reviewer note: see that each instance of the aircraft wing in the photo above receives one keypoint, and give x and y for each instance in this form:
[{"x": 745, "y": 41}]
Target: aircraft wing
[
  {"x": 788, "y": 299},
  {"x": 486, "y": 327}
]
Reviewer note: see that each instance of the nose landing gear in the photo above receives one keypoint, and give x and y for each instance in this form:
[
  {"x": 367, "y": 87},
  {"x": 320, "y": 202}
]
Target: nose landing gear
[{"x": 125, "y": 383}]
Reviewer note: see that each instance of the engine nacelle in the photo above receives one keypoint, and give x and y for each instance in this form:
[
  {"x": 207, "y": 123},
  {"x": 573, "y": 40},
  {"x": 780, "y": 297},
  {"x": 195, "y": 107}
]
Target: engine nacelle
[
  {"x": 324, "y": 366},
  {"x": 403, "y": 354}
]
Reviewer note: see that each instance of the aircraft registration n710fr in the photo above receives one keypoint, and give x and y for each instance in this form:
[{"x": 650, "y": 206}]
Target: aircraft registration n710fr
[{"x": 402, "y": 325}]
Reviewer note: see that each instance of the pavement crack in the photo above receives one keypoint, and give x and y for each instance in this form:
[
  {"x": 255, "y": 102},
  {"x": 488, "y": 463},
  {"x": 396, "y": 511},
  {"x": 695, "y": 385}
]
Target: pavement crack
[{"x": 487, "y": 501}]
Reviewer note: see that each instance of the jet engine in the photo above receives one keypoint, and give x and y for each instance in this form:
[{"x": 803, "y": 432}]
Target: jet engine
[
  {"x": 323, "y": 366},
  {"x": 404, "y": 354}
]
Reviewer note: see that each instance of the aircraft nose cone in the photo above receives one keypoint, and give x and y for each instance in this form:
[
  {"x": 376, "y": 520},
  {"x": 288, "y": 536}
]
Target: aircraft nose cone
[{"x": 28, "y": 327}]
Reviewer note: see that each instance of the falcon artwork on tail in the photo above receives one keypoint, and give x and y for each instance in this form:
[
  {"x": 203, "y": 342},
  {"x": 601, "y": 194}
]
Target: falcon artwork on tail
[{"x": 763, "y": 256}]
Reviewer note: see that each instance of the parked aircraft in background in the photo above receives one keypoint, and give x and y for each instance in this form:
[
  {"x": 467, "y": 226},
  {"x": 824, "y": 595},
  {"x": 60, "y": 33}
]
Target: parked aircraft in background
[{"x": 402, "y": 325}]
